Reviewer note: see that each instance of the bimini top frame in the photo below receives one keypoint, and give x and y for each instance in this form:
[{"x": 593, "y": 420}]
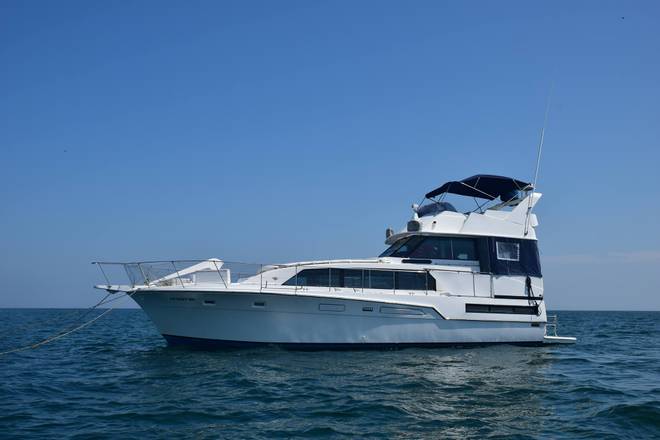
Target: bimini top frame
[{"x": 483, "y": 186}]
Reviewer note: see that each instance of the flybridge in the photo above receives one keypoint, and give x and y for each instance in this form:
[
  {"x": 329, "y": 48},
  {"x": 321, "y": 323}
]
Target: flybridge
[{"x": 438, "y": 216}]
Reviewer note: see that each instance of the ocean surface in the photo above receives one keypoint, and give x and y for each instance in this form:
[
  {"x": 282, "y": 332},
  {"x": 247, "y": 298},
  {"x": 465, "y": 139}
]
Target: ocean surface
[{"x": 118, "y": 379}]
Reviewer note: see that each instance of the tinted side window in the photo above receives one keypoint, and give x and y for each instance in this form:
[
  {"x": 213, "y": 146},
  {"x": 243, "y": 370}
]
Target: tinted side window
[
  {"x": 310, "y": 277},
  {"x": 406, "y": 248},
  {"x": 411, "y": 280},
  {"x": 356, "y": 278},
  {"x": 336, "y": 277},
  {"x": 353, "y": 278},
  {"x": 435, "y": 248},
  {"x": 390, "y": 250},
  {"x": 464, "y": 249},
  {"x": 380, "y": 279},
  {"x": 346, "y": 278}
]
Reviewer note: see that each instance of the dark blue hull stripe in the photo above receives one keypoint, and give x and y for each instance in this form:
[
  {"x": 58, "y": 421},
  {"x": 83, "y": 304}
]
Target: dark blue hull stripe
[{"x": 222, "y": 343}]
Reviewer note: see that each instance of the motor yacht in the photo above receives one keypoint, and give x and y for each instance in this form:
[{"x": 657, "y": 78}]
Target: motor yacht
[{"x": 446, "y": 278}]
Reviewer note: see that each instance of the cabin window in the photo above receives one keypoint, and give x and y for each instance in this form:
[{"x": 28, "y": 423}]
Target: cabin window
[
  {"x": 358, "y": 278},
  {"x": 345, "y": 278},
  {"x": 508, "y": 251},
  {"x": 311, "y": 277},
  {"x": 513, "y": 310},
  {"x": 434, "y": 248},
  {"x": 402, "y": 248},
  {"x": 336, "y": 278},
  {"x": 381, "y": 279},
  {"x": 464, "y": 249},
  {"x": 412, "y": 281},
  {"x": 353, "y": 278}
]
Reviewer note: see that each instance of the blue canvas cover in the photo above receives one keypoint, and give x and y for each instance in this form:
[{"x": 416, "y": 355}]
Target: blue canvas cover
[{"x": 483, "y": 186}]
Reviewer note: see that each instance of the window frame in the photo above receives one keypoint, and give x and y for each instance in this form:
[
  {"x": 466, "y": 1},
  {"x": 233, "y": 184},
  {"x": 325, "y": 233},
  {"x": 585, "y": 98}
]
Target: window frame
[
  {"x": 428, "y": 240},
  {"x": 507, "y": 309},
  {"x": 500, "y": 255},
  {"x": 418, "y": 241},
  {"x": 474, "y": 248},
  {"x": 300, "y": 278}
]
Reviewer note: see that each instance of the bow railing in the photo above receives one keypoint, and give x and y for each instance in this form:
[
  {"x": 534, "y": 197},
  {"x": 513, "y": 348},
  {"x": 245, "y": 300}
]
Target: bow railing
[{"x": 176, "y": 272}]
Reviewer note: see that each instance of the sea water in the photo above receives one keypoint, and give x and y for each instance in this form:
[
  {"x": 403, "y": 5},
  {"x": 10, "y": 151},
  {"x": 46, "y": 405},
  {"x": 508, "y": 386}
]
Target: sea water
[{"x": 118, "y": 379}]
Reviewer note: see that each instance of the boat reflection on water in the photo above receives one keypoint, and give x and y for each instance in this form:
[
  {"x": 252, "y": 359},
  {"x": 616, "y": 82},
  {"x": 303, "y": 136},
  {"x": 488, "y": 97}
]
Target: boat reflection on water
[{"x": 444, "y": 392}]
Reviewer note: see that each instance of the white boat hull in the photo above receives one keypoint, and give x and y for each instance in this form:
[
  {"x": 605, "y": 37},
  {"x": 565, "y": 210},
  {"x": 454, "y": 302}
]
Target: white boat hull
[{"x": 240, "y": 318}]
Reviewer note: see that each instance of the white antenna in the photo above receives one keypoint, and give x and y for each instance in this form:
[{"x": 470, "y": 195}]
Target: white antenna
[{"x": 538, "y": 158}]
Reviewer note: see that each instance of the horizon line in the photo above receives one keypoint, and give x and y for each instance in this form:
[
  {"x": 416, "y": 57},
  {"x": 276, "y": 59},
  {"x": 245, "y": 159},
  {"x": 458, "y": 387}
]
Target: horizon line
[{"x": 139, "y": 308}]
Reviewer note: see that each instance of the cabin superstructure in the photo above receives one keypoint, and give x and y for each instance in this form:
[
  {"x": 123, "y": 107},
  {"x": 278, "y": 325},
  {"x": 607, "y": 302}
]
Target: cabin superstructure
[{"x": 497, "y": 239}]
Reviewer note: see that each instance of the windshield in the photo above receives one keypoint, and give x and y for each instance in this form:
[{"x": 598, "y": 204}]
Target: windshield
[
  {"x": 433, "y": 248},
  {"x": 402, "y": 247}
]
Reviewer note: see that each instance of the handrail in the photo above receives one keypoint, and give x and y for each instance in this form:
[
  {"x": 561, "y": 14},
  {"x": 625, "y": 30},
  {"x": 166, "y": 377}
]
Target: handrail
[
  {"x": 285, "y": 265},
  {"x": 149, "y": 272},
  {"x": 551, "y": 325}
]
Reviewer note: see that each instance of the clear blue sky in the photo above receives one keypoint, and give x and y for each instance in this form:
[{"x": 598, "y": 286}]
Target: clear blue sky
[{"x": 271, "y": 131}]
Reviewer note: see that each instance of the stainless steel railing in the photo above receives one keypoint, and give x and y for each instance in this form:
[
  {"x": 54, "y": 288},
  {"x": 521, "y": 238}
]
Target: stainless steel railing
[
  {"x": 187, "y": 273},
  {"x": 551, "y": 325},
  {"x": 173, "y": 272}
]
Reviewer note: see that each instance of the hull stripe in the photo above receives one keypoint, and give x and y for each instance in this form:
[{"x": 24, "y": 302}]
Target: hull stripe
[{"x": 205, "y": 343}]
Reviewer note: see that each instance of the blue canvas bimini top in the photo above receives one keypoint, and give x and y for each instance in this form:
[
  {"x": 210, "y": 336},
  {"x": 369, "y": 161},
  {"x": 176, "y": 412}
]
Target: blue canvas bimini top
[{"x": 483, "y": 186}]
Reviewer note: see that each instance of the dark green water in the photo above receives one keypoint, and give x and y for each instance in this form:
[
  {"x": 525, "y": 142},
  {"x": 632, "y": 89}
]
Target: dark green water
[{"x": 117, "y": 379}]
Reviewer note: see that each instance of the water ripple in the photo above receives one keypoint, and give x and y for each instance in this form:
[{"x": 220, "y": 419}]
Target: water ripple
[{"x": 118, "y": 379}]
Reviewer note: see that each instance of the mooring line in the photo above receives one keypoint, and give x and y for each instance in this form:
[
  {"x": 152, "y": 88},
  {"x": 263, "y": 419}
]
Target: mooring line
[
  {"x": 68, "y": 332},
  {"x": 66, "y": 320}
]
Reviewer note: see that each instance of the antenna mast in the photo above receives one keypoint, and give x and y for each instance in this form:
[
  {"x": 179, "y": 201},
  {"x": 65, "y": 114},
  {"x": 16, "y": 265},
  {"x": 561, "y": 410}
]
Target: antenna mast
[{"x": 538, "y": 159}]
